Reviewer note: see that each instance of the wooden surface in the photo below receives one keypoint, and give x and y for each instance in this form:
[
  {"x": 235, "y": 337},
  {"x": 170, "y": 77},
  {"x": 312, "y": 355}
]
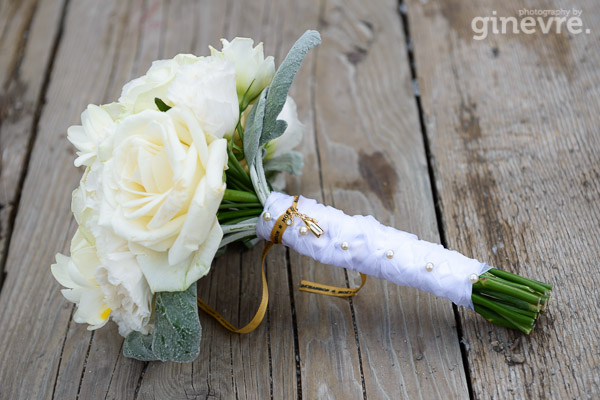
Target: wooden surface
[
  {"x": 514, "y": 139},
  {"x": 506, "y": 129}
]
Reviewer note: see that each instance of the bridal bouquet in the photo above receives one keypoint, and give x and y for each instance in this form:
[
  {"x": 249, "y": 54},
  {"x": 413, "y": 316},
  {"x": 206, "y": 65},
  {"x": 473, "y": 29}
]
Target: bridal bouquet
[{"x": 187, "y": 161}]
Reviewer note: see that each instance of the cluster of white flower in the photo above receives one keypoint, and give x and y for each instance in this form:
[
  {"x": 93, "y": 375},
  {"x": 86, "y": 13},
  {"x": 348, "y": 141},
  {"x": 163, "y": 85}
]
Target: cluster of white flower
[{"x": 147, "y": 202}]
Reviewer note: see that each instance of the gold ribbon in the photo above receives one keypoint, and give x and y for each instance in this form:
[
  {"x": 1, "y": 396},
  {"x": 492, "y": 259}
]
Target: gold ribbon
[
  {"x": 262, "y": 308},
  {"x": 279, "y": 228}
]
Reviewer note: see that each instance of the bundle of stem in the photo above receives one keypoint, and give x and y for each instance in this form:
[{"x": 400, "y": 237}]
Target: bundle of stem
[
  {"x": 240, "y": 202},
  {"x": 510, "y": 300}
]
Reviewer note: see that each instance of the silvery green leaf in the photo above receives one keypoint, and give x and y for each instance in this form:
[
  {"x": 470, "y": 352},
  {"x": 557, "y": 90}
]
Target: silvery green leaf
[
  {"x": 250, "y": 243},
  {"x": 267, "y": 136},
  {"x": 177, "y": 330},
  {"x": 234, "y": 237},
  {"x": 240, "y": 226},
  {"x": 291, "y": 163},
  {"x": 254, "y": 128},
  {"x": 283, "y": 78},
  {"x": 259, "y": 181},
  {"x": 139, "y": 347}
]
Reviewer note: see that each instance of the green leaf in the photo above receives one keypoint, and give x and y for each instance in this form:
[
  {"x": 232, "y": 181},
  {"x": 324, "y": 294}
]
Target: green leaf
[
  {"x": 139, "y": 346},
  {"x": 259, "y": 180},
  {"x": 280, "y": 127},
  {"x": 162, "y": 106},
  {"x": 282, "y": 81},
  {"x": 291, "y": 163},
  {"x": 177, "y": 330},
  {"x": 254, "y": 128}
]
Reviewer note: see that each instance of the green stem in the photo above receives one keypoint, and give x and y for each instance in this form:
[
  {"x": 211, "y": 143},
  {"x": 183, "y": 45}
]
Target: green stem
[
  {"x": 239, "y": 125},
  {"x": 228, "y": 205},
  {"x": 237, "y": 167},
  {"x": 229, "y": 215},
  {"x": 523, "y": 323},
  {"x": 239, "y": 196},
  {"x": 510, "y": 300},
  {"x": 237, "y": 220},
  {"x": 493, "y": 317},
  {"x": 523, "y": 305},
  {"x": 512, "y": 284},
  {"x": 487, "y": 283},
  {"x": 235, "y": 183},
  {"x": 238, "y": 172},
  {"x": 541, "y": 287},
  {"x": 238, "y": 148},
  {"x": 530, "y": 314}
]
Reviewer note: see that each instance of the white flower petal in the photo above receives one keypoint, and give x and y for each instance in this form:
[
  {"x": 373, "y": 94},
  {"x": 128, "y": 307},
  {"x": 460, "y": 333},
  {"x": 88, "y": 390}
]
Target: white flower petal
[
  {"x": 207, "y": 87},
  {"x": 294, "y": 131},
  {"x": 253, "y": 71},
  {"x": 204, "y": 206},
  {"x": 165, "y": 277},
  {"x": 60, "y": 271}
]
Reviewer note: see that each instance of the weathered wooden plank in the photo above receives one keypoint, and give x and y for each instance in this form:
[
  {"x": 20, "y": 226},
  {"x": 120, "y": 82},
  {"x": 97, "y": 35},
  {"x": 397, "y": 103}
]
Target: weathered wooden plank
[
  {"x": 372, "y": 162},
  {"x": 91, "y": 365},
  {"x": 45, "y": 350},
  {"x": 229, "y": 365},
  {"x": 119, "y": 40},
  {"x": 327, "y": 356},
  {"x": 513, "y": 125},
  {"x": 29, "y": 30}
]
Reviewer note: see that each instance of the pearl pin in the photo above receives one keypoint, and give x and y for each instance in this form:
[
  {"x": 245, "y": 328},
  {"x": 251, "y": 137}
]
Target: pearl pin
[
  {"x": 267, "y": 216},
  {"x": 389, "y": 254},
  {"x": 429, "y": 267},
  {"x": 474, "y": 278},
  {"x": 303, "y": 230},
  {"x": 345, "y": 246}
]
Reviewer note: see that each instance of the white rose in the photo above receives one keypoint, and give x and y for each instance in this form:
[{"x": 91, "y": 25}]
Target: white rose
[
  {"x": 139, "y": 94},
  {"x": 119, "y": 291},
  {"x": 126, "y": 292},
  {"x": 207, "y": 87},
  {"x": 253, "y": 71},
  {"x": 97, "y": 125},
  {"x": 292, "y": 136},
  {"x": 161, "y": 190}
]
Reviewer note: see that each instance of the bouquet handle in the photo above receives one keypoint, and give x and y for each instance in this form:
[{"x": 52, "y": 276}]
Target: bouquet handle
[
  {"x": 363, "y": 244},
  {"x": 276, "y": 236}
]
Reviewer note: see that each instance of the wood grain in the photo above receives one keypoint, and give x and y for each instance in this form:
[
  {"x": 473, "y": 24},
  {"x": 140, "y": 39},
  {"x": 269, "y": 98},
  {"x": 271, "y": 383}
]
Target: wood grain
[
  {"x": 35, "y": 319},
  {"x": 512, "y": 123},
  {"x": 29, "y": 30},
  {"x": 372, "y": 161}
]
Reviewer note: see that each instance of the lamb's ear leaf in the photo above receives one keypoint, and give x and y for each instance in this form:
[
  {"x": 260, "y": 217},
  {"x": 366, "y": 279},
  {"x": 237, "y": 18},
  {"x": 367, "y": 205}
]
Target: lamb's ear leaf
[
  {"x": 177, "y": 330},
  {"x": 254, "y": 128},
  {"x": 139, "y": 346},
  {"x": 291, "y": 163},
  {"x": 280, "y": 86},
  {"x": 280, "y": 127}
]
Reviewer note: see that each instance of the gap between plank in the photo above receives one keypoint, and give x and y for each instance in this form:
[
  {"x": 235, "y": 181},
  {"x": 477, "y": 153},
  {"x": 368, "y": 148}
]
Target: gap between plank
[
  {"x": 320, "y": 19},
  {"x": 85, "y": 361},
  {"x": 402, "y": 11},
  {"x": 41, "y": 101},
  {"x": 355, "y": 330},
  {"x": 294, "y": 327}
]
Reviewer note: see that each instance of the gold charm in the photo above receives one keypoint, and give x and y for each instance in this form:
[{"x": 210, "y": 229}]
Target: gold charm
[
  {"x": 311, "y": 223},
  {"x": 313, "y": 227}
]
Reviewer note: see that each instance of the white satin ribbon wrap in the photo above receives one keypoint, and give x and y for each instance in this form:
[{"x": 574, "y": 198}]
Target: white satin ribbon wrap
[{"x": 368, "y": 242}]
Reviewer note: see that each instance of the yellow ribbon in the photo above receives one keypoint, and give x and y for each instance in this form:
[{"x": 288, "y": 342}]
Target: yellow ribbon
[
  {"x": 262, "y": 308},
  {"x": 305, "y": 286}
]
